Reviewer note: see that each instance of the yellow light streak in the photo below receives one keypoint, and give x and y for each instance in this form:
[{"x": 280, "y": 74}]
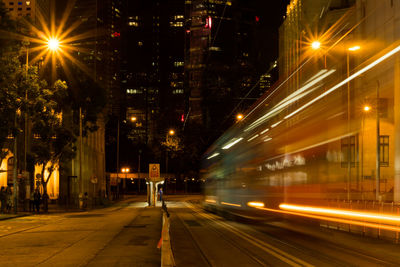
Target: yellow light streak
[
  {"x": 337, "y": 220},
  {"x": 255, "y": 204},
  {"x": 295, "y": 96},
  {"x": 213, "y": 155},
  {"x": 345, "y": 81},
  {"x": 211, "y": 201},
  {"x": 252, "y": 138},
  {"x": 231, "y": 204},
  {"x": 233, "y": 142},
  {"x": 354, "y": 48},
  {"x": 365, "y": 216}
]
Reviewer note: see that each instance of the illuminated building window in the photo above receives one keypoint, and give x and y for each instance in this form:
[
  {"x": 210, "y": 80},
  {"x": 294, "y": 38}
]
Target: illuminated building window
[
  {"x": 28, "y": 3},
  {"x": 346, "y": 146},
  {"x": 384, "y": 150},
  {"x": 133, "y": 24},
  {"x": 134, "y": 91},
  {"x": 179, "y": 63},
  {"x": 177, "y": 91},
  {"x": 175, "y": 24}
]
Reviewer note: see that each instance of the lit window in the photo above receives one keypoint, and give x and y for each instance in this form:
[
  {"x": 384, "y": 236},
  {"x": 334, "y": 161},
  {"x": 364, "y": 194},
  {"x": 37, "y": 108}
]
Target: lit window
[
  {"x": 179, "y": 63},
  {"x": 133, "y": 24},
  {"x": 177, "y": 91},
  {"x": 134, "y": 91},
  {"x": 28, "y": 3}
]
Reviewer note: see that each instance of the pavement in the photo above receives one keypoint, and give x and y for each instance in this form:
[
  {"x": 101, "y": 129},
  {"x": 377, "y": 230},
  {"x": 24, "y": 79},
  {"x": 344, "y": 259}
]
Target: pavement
[{"x": 125, "y": 233}]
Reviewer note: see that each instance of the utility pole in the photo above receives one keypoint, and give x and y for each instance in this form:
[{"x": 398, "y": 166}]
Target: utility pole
[
  {"x": 80, "y": 159},
  {"x": 15, "y": 165}
]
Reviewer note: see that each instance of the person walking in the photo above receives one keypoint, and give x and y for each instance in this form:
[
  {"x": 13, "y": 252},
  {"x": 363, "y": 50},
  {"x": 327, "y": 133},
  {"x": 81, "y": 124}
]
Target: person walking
[
  {"x": 160, "y": 194},
  {"x": 36, "y": 200},
  {"x": 3, "y": 199}
]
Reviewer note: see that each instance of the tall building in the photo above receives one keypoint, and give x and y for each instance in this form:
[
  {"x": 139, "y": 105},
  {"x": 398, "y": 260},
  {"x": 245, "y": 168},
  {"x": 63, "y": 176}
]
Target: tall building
[
  {"x": 99, "y": 25},
  {"x": 153, "y": 68},
  {"x": 221, "y": 60},
  {"x": 35, "y": 9},
  {"x": 351, "y": 81}
]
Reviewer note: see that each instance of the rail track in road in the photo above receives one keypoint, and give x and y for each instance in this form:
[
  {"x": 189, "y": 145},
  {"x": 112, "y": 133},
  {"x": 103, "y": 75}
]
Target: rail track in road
[{"x": 262, "y": 244}]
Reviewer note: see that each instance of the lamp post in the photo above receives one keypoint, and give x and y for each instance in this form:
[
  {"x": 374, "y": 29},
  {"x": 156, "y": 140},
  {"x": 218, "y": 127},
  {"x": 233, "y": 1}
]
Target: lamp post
[
  {"x": 349, "y": 155},
  {"x": 378, "y": 148},
  {"x": 366, "y": 109},
  {"x": 171, "y": 132}
]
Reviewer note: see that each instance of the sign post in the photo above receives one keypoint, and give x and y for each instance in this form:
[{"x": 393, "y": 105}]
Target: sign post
[{"x": 154, "y": 177}]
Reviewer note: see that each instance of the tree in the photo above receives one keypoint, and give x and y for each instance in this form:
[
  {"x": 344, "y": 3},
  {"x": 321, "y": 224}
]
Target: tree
[{"x": 54, "y": 140}]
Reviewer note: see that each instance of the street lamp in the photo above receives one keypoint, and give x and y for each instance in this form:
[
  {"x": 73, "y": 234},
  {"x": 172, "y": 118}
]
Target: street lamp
[
  {"x": 348, "y": 50},
  {"x": 316, "y": 45},
  {"x": 171, "y": 132},
  {"x": 239, "y": 116},
  {"x": 366, "y": 109},
  {"x": 53, "y": 44}
]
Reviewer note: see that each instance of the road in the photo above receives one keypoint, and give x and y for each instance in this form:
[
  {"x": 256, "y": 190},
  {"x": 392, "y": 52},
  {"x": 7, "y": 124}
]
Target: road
[
  {"x": 199, "y": 238},
  {"x": 127, "y": 234},
  {"x": 122, "y": 235}
]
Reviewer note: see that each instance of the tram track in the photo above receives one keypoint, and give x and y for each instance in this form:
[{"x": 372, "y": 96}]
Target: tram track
[
  {"x": 255, "y": 242},
  {"x": 301, "y": 244}
]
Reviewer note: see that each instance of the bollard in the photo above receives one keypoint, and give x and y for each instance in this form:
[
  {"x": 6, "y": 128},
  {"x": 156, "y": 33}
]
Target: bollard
[{"x": 167, "y": 258}]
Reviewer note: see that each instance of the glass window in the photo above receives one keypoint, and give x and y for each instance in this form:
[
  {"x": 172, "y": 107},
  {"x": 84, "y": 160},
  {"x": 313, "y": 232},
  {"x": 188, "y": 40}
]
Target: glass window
[
  {"x": 11, "y": 3},
  {"x": 20, "y": 3},
  {"x": 384, "y": 150},
  {"x": 348, "y": 147}
]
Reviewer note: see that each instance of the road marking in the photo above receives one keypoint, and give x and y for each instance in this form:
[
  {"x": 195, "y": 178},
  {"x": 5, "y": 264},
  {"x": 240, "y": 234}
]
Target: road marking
[{"x": 283, "y": 256}]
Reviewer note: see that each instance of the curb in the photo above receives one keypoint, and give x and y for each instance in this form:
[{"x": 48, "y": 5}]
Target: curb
[{"x": 13, "y": 217}]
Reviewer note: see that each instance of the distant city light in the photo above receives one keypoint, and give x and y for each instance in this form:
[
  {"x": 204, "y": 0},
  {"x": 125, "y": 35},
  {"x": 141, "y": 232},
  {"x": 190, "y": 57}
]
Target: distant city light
[{"x": 239, "y": 116}]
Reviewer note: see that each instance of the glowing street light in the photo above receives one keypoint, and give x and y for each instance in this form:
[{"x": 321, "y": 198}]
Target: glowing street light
[
  {"x": 316, "y": 45},
  {"x": 239, "y": 117},
  {"x": 367, "y": 108},
  {"x": 53, "y": 44},
  {"x": 171, "y": 132},
  {"x": 133, "y": 119}
]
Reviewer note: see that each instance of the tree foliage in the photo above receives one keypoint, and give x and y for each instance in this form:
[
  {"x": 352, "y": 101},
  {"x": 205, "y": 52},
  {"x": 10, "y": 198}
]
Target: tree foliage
[{"x": 54, "y": 140}]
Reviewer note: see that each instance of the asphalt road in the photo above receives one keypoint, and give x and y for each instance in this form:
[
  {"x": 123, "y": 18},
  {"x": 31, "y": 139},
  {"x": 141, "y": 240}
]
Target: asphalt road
[
  {"x": 123, "y": 235},
  {"x": 199, "y": 238}
]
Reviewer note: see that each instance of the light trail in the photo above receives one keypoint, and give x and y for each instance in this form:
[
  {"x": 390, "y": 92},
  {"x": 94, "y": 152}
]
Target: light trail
[
  {"x": 345, "y": 81},
  {"x": 367, "y": 216},
  {"x": 337, "y": 220},
  {"x": 231, "y": 204},
  {"x": 295, "y": 96}
]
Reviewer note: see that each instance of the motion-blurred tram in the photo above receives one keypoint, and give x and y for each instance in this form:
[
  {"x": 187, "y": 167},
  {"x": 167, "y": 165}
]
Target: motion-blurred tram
[{"x": 324, "y": 134}]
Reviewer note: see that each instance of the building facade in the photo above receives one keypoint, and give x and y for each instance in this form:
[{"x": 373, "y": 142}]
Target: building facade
[{"x": 355, "y": 70}]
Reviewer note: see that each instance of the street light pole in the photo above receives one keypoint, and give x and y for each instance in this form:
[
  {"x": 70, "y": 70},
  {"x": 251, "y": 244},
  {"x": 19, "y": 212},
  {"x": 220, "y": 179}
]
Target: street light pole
[
  {"x": 118, "y": 158},
  {"x": 378, "y": 148}
]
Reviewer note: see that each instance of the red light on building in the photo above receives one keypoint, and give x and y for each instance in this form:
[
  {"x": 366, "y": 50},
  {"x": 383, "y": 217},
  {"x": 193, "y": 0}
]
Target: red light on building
[
  {"x": 187, "y": 31},
  {"x": 257, "y": 19},
  {"x": 115, "y": 34},
  {"x": 183, "y": 118},
  {"x": 208, "y": 23}
]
